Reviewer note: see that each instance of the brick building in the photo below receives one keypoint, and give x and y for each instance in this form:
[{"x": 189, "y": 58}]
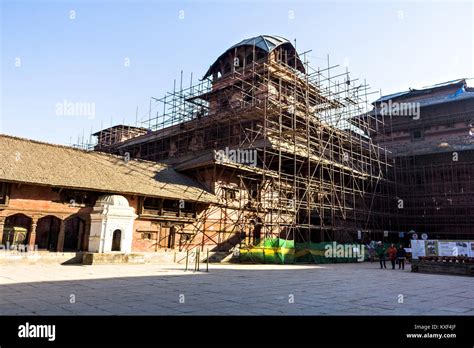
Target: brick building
[
  {"x": 260, "y": 148},
  {"x": 263, "y": 147},
  {"x": 65, "y": 199},
  {"x": 307, "y": 175},
  {"x": 430, "y": 134}
]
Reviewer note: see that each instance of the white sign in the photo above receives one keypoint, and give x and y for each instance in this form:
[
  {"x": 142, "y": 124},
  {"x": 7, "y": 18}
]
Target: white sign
[
  {"x": 359, "y": 234},
  {"x": 457, "y": 248},
  {"x": 462, "y": 248},
  {"x": 385, "y": 233},
  {"x": 441, "y": 248},
  {"x": 447, "y": 248},
  {"x": 417, "y": 248}
]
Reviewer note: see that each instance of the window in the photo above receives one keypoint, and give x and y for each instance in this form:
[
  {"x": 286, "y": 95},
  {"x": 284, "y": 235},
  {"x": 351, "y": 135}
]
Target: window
[
  {"x": 227, "y": 68},
  {"x": 230, "y": 194},
  {"x": 417, "y": 135},
  {"x": 238, "y": 62},
  {"x": 169, "y": 204},
  {"x": 152, "y": 203},
  {"x": 254, "y": 192},
  {"x": 147, "y": 235},
  {"x": 175, "y": 205},
  {"x": 4, "y": 193},
  {"x": 224, "y": 103},
  {"x": 166, "y": 207},
  {"x": 76, "y": 198},
  {"x": 249, "y": 58}
]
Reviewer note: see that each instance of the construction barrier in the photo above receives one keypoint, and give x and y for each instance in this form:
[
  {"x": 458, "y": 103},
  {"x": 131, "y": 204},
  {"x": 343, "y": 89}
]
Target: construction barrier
[
  {"x": 274, "y": 250},
  {"x": 283, "y": 251},
  {"x": 316, "y": 253}
]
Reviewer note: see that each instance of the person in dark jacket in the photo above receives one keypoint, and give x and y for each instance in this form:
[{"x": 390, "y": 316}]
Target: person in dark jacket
[
  {"x": 401, "y": 256},
  {"x": 381, "y": 254}
]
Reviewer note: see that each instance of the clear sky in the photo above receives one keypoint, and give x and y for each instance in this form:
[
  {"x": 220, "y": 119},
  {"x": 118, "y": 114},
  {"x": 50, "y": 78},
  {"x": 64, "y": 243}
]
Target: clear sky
[{"x": 118, "y": 54}]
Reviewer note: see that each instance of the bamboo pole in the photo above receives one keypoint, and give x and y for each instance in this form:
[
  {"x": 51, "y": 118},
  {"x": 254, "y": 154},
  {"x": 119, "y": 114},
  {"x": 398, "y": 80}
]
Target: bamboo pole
[{"x": 187, "y": 256}]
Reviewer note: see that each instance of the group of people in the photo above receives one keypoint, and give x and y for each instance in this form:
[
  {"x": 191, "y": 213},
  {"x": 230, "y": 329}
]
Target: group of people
[{"x": 395, "y": 255}]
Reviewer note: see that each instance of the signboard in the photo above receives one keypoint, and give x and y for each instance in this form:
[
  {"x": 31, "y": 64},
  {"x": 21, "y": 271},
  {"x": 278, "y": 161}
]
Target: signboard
[
  {"x": 417, "y": 248},
  {"x": 442, "y": 248},
  {"x": 462, "y": 248},
  {"x": 385, "y": 233},
  {"x": 401, "y": 234},
  {"x": 447, "y": 248},
  {"x": 457, "y": 248},
  {"x": 359, "y": 234},
  {"x": 431, "y": 247},
  {"x": 414, "y": 236},
  {"x": 424, "y": 236}
]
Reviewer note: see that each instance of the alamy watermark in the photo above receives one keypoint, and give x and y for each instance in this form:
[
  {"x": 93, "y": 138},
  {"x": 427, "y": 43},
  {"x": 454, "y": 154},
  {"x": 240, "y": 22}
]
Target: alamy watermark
[
  {"x": 19, "y": 251},
  {"x": 335, "y": 250},
  {"x": 21, "y": 248},
  {"x": 28, "y": 330},
  {"x": 68, "y": 108},
  {"x": 240, "y": 156},
  {"x": 400, "y": 109}
]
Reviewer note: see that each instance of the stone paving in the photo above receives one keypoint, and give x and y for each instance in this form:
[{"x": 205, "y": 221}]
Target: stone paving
[{"x": 150, "y": 289}]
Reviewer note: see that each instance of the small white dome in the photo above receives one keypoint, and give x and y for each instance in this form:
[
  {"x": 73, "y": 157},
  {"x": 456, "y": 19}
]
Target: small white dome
[{"x": 115, "y": 200}]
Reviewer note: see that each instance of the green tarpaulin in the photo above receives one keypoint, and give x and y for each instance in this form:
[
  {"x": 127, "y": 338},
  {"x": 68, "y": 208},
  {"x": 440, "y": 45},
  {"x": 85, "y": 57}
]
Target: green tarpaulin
[{"x": 283, "y": 251}]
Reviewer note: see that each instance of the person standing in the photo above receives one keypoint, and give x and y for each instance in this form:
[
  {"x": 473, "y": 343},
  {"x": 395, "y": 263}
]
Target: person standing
[
  {"x": 371, "y": 249},
  {"x": 401, "y": 256},
  {"x": 381, "y": 254},
  {"x": 392, "y": 254}
]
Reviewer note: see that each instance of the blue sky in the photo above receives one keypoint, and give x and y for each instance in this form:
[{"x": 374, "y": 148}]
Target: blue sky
[{"x": 48, "y": 57}]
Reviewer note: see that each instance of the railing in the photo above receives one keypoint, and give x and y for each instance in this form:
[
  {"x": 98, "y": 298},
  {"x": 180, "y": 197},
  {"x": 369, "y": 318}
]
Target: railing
[{"x": 197, "y": 259}]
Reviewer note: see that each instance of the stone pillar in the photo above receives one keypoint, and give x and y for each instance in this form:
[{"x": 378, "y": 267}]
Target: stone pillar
[
  {"x": 32, "y": 239},
  {"x": 2, "y": 225},
  {"x": 85, "y": 239},
  {"x": 61, "y": 235},
  {"x": 157, "y": 239}
]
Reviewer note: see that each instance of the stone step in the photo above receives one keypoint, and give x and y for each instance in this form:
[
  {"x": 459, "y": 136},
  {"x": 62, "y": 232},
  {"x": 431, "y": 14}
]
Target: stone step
[
  {"x": 160, "y": 257},
  {"x": 112, "y": 258}
]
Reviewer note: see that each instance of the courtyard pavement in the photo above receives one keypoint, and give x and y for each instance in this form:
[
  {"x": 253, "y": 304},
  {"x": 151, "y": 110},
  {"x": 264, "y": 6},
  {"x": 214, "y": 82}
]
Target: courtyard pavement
[{"x": 150, "y": 289}]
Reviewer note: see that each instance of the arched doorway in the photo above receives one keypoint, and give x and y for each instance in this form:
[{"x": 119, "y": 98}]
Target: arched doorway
[
  {"x": 73, "y": 229},
  {"x": 47, "y": 232},
  {"x": 17, "y": 229},
  {"x": 116, "y": 240}
]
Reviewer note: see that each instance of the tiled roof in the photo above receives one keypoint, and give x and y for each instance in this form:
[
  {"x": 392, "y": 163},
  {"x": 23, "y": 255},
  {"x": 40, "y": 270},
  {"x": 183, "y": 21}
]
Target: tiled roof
[{"x": 33, "y": 162}]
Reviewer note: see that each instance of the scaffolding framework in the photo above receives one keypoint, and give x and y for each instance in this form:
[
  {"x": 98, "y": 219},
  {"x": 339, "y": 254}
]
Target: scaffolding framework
[{"x": 317, "y": 175}]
